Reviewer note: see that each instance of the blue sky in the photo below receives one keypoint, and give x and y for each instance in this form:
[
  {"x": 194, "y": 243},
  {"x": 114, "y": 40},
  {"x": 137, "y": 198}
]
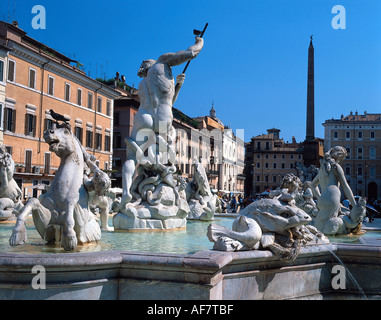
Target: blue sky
[{"x": 254, "y": 63}]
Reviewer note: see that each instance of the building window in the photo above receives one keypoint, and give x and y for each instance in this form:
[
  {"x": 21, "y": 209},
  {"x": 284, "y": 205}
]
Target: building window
[
  {"x": 283, "y": 165},
  {"x": 372, "y": 153},
  {"x": 258, "y": 164},
  {"x": 359, "y": 135},
  {"x": 274, "y": 166},
  {"x": 107, "y": 144},
  {"x": 359, "y": 153},
  {"x": 258, "y": 145},
  {"x": 30, "y": 125},
  {"x": 10, "y": 119},
  {"x": 347, "y": 135},
  {"x": 267, "y": 145},
  {"x": 99, "y": 107},
  {"x": 98, "y": 141},
  {"x": 79, "y": 97},
  {"x": 89, "y": 139},
  {"x": 335, "y": 135},
  {"x": 348, "y": 153},
  {"x": 90, "y": 100},
  {"x": 47, "y": 163},
  {"x": 108, "y": 108},
  {"x": 372, "y": 172},
  {"x": 67, "y": 92},
  {"x": 28, "y": 161},
  {"x": 32, "y": 78},
  {"x": 359, "y": 170},
  {"x": 372, "y": 135},
  {"x": 258, "y": 178},
  {"x": 51, "y": 86},
  {"x": 116, "y": 118},
  {"x": 11, "y": 70},
  {"x": 78, "y": 131},
  {"x": 1, "y": 71},
  {"x": 347, "y": 171}
]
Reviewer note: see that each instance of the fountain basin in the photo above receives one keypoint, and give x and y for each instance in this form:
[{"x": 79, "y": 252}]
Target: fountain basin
[
  {"x": 111, "y": 275},
  {"x": 203, "y": 275}
]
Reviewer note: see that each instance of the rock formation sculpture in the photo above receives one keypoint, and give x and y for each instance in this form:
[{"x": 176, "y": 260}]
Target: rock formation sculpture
[{"x": 150, "y": 197}]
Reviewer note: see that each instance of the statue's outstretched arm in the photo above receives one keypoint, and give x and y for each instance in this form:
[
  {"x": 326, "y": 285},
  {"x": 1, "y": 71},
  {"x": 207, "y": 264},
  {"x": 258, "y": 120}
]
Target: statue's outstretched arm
[{"x": 177, "y": 58}]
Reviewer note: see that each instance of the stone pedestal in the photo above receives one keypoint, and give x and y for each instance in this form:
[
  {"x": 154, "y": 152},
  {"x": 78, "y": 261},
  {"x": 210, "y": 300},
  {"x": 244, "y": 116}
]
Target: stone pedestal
[{"x": 166, "y": 215}]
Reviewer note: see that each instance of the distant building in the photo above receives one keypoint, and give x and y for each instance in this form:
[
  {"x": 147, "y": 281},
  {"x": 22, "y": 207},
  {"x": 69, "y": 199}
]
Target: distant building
[
  {"x": 360, "y": 135},
  {"x": 226, "y": 167},
  {"x": 36, "y": 79},
  {"x": 268, "y": 159}
]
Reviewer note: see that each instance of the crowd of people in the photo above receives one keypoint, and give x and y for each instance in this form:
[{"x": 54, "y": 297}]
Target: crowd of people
[{"x": 235, "y": 203}]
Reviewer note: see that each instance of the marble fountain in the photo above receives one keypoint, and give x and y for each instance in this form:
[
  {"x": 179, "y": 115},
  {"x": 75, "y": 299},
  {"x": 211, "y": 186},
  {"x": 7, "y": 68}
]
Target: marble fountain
[{"x": 166, "y": 239}]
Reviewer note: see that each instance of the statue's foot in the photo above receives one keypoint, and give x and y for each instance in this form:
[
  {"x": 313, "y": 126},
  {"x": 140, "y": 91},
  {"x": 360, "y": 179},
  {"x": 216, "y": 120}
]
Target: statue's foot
[
  {"x": 107, "y": 228},
  {"x": 126, "y": 198},
  {"x": 18, "y": 235},
  {"x": 69, "y": 240}
]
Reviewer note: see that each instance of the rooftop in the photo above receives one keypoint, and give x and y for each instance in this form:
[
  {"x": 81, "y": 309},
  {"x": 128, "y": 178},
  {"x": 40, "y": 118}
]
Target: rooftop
[{"x": 355, "y": 117}]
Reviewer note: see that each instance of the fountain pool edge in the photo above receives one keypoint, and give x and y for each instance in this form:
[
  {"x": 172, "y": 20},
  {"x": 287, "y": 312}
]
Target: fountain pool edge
[{"x": 205, "y": 275}]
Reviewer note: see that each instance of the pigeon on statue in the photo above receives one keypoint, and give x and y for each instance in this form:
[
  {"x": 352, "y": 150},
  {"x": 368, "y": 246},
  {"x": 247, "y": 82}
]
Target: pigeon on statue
[{"x": 58, "y": 117}]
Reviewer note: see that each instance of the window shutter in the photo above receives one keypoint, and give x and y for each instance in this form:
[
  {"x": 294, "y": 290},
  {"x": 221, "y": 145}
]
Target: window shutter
[
  {"x": 34, "y": 125},
  {"x": 5, "y": 123},
  {"x": 11, "y": 71},
  {"x": 13, "y": 125},
  {"x": 26, "y": 124}
]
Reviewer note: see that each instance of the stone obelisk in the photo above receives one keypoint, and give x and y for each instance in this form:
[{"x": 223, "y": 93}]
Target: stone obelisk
[
  {"x": 310, "y": 125},
  {"x": 311, "y": 144}
]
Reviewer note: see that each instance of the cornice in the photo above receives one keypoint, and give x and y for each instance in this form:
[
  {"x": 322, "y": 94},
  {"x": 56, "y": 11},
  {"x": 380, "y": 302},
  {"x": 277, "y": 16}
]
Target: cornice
[{"x": 62, "y": 70}]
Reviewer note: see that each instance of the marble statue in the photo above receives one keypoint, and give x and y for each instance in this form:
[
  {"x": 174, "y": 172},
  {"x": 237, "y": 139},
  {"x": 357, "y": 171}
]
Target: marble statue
[
  {"x": 10, "y": 193},
  {"x": 62, "y": 214},
  {"x": 293, "y": 191},
  {"x": 267, "y": 224},
  {"x": 332, "y": 217},
  {"x": 150, "y": 198},
  {"x": 202, "y": 202},
  {"x": 98, "y": 185}
]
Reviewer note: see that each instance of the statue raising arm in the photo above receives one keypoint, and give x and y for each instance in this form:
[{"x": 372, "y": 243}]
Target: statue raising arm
[{"x": 177, "y": 58}]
